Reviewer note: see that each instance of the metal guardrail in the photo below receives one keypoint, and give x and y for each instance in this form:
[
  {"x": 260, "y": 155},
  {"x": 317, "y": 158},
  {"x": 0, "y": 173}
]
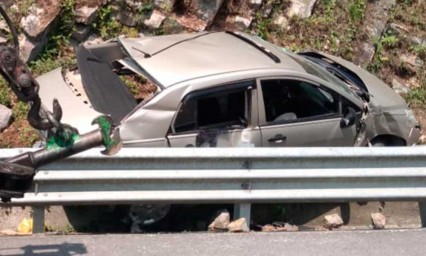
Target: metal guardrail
[{"x": 234, "y": 175}]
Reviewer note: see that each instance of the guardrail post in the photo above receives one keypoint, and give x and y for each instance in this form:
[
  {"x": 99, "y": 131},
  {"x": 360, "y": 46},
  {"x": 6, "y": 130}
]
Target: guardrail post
[
  {"x": 422, "y": 209},
  {"x": 38, "y": 219},
  {"x": 242, "y": 210}
]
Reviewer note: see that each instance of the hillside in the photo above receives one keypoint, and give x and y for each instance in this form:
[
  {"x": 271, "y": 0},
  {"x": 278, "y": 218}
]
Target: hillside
[{"x": 387, "y": 37}]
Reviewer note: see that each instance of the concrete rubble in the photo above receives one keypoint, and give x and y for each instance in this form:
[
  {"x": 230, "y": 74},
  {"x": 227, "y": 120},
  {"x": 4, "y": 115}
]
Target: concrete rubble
[
  {"x": 378, "y": 220},
  {"x": 332, "y": 221},
  {"x": 221, "y": 222},
  {"x": 286, "y": 227},
  {"x": 239, "y": 225},
  {"x": 5, "y": 117}
]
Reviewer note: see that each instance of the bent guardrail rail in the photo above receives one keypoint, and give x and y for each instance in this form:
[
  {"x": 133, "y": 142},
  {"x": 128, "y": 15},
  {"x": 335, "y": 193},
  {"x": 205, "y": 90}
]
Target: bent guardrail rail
[{"x": 234, "y": 175}]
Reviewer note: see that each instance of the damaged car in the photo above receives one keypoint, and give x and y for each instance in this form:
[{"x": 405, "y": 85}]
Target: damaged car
[{"x": 228, "y": 89}]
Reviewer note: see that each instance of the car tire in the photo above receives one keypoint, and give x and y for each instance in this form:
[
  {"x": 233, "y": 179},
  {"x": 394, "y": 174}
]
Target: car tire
[{"x": 378, "y": 144}]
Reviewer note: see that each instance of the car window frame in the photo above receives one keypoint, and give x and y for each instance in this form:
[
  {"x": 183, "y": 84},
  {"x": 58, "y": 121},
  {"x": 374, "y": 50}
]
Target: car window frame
[
  {"x": 262, "y": 111},
  {"x": 249, "y": 84}
]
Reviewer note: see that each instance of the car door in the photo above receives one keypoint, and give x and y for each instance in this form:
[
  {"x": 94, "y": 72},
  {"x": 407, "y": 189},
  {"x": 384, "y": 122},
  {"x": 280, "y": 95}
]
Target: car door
[
  {"x": 218, "y": 117},
  {"x": 295, "y": 112}
]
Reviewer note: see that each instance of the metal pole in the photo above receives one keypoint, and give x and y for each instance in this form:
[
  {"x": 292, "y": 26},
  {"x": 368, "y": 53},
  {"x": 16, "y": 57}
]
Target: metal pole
[
  {"x": 422, "y": 210},
  {"x": 38, "y": 219},
  {"x": 242, "y": 210}
]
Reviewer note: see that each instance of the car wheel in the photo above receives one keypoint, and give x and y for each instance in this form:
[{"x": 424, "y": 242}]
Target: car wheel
[
  {"x": 147, "y": 214},
  {"x": 378, "y": 144}
]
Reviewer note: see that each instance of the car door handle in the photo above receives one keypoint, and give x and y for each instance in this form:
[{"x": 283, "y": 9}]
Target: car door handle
[{"x": 278, "y": 138}]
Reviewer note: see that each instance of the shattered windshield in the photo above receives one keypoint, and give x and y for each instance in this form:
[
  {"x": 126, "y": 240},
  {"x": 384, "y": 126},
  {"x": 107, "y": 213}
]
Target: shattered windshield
[{"x": 316, "y": 70}]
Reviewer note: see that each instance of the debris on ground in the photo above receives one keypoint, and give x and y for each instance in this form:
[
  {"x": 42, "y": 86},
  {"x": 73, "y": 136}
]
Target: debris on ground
[
  {"x": 5, "y": 117},
  {"x": 378, "y": 220},
  {"x": 239, "y": 225},
  {"x": 9, "y": 232},
  {"x": 277, "y": 227},
  {"x": 221, "y": 222},
  {"x": 333, "y": 221},
  {"x": 26, "y": 226}
]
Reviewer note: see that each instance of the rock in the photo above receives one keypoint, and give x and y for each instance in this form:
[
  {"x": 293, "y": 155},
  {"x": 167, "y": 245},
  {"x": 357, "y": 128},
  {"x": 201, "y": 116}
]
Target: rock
[
  {"x": 374, "y": 29},
  {"x": 267, "y": 10},
  {"x": 38, "y": 23},
  {"x": 205, "y": 10},
  {"x": 379, "y": 220},
  {"x": 171, "y": 26},
  {"x": 301, "y": 8},
  {"x": 411, "y": 60},
  {"x": 220, "y": 223},
  {"x": 86, "y": 15},
  {"x": 280, "y": 227},
  {"x": 399, "y": 87},
  {"x": 5, "y": 117},
  {"x": 127, "y": 18},
  {"x": 333, "y": 221},
  {"x": 366, "y": 53},
  {"x": 30, "y": 48},
  {"x": 290, "y": 228},
  {"x": 269, "y": 228},
  {"x": 398, "y": 29},
  {"x": 164, "y": 5},
  {"x": 81, "y": 32},
  {"x": 3, "y": 26},
  {"x": 422, "y": 139},
  {"x": 155, "y": 20},
  {"x": 418, "y": 41},
  {"x": 9, "y": 232},
  {"x": 239, "y": 225},
  {"x": 94, "y": 39},
  {"x": 256, "y": 3},
  {"x": 240, "y": 23},
  {"x": 281, "y": 21}
]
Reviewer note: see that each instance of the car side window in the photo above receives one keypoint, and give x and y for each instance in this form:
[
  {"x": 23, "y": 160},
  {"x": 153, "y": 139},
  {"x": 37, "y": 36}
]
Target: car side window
[
  {"x": 289, "y": 100},
  {"x": 213, "y": 109}
]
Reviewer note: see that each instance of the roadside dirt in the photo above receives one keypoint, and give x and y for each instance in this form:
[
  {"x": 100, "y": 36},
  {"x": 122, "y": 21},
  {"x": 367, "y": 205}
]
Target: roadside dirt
[{"x": 18, "y": 134}]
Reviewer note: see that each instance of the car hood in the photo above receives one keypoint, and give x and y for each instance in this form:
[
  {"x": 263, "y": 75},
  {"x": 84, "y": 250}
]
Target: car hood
[
  {"x": 77, "y": 110},
  {"x": 381, "y": 94}
]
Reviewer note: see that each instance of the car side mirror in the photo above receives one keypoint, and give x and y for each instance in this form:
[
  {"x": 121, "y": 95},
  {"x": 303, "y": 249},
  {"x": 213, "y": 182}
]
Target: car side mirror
[{"x": 349, "y": 118}]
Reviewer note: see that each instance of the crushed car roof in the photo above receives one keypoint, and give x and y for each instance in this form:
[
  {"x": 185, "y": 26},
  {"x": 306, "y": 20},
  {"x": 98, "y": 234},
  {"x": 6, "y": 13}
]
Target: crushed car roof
[{"x": 176, "y": 58}]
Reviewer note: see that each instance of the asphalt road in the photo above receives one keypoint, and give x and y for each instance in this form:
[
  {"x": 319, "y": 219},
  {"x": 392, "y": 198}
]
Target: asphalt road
[{"x": 390, "y": 242}]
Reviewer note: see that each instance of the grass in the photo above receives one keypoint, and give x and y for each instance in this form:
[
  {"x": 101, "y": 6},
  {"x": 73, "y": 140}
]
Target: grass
[{"x": 336, "y": 27}]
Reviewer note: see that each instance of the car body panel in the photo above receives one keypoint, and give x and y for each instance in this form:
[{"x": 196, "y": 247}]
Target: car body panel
[
  {"x": 389, "y": 113},
  {"x": 323, "y": 132}
]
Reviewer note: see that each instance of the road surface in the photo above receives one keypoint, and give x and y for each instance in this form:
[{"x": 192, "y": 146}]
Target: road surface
[{"x": 389, "y": 242}]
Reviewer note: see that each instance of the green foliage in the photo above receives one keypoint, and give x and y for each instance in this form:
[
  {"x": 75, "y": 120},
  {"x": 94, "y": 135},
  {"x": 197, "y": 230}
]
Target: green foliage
[
  {"x": 357, "y": 10},
  {"x": 146, "y": 7},
  {"x": 5, "y": 93},
  {"x": 420, "y": 50},
  {"x": 60, "y": 37},
  {"x": 416, "y": 96},
  {"x": 47, "y": 63},
  {"x": 54, "y": 54},
  {"x": 28, "y": 135},
  {"x": 129, "y": 32},
  {"x": 262, "y": 25},
  {"x": 20, "y": 110},
  {"x": 389, "y": 40},
  {"x": 106, "y": 25}
]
